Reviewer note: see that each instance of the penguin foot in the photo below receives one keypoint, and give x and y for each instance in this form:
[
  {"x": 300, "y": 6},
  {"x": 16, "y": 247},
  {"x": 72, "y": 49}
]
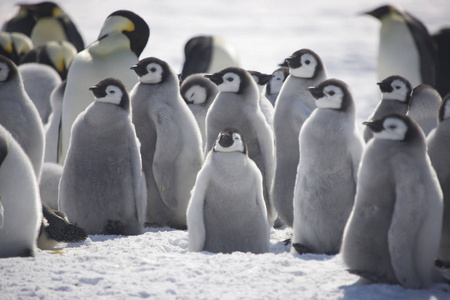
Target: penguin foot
[
  {"x": 301, "y": 249},
  {"x": 287, "y": 242},
  {"x": 114, "y": 227},
  {"x": 28, "y": 253}
]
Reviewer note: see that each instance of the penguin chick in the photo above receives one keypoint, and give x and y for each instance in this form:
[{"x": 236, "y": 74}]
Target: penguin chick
[
  {"x": 396, "y": 96},
  {"x": 394, "y": 230},
  {"x": 273, "y": 87},
  {"x": 424, "y": 107},
  {"x": 224, "y": 215},
  {"x": 14, "y": 45},
  {"x": 330, "y": 152},
  {"x": 264, "y": 103}
]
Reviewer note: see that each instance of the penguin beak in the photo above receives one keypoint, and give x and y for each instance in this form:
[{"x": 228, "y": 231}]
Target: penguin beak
[
  {"x": 98, "y": 92},
  {"x": 264, "y": 79},
  {"x": 140, "y": 70},
  {"x": 215, "y": 78},
  {"x": 385, "y": 87},
  {"x": 316, "y": 93},
  {"x": 375, "y": 126},
  {"x": 225, "y": 140}
]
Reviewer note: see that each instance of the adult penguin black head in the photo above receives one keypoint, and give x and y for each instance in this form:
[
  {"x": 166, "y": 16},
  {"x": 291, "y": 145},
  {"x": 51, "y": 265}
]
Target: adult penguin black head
[
  {"x": 15, "y": 45},
  {"x": 111, "y": 90}
]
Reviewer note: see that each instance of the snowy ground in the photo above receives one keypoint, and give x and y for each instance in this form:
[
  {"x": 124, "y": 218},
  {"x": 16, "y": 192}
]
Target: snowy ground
[{"x": 156, "y": 264}]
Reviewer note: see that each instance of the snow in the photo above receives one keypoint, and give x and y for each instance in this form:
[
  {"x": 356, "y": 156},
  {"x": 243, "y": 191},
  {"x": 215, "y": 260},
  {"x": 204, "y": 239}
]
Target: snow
[{"x": 157, "y": 264}]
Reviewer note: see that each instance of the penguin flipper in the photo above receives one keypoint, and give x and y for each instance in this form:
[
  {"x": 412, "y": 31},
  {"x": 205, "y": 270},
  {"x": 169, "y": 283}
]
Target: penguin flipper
[
  {"x": 198, "y": 52},
  {"x": 73, "y": 35}
]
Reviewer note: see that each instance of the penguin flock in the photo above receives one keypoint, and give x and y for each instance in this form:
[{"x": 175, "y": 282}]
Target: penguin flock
[{"x": 105, "y": 142}]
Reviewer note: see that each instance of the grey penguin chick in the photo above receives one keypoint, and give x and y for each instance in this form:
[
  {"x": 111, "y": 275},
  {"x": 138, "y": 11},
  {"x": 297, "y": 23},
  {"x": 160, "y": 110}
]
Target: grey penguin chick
[
  {"x": 438, "y": 142},
  {"x": 102, "y": 186},
  {"x": 273, "y": 87},
  {"x": 53, "y": 126},
  {"x": 19, "y": 115},
  {"x": 267, "y": 109},
  {"x": 199, "y": 92},
  {"x": 236, "y": 106},
  {"x": 330, "y": 152},
  {"x": 49, "y": 184},
  {"x": 396, "y": 95},
  {"x": 20, "y": 206},
  {"x": 170, "y": 142},
  {"x": 393, "y": 233},
  {"x": 292, "y": 107},
  {"x": 405, "y": 46},
  {"x": 224, "y": 214},
  {"x": 424, "y": 107}
]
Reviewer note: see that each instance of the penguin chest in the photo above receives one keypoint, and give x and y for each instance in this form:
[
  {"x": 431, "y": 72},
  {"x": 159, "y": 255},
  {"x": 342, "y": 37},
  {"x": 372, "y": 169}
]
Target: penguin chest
[{"x": 46, "y": 30}]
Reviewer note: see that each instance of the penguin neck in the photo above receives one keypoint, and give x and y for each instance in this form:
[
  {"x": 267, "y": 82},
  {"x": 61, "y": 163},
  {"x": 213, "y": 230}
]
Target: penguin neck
[
  {"x": 114, "y": 42},
  {"x": 394, "y": 106},
  {"x": 169, "y": 89}
]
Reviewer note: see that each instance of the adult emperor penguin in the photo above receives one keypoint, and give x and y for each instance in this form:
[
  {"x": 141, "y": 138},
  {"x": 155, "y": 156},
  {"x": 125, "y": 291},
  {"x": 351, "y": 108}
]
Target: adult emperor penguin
[
  {"x": 396, "y": 95},
  {"x": 236, "y": 105},
  {"x": 23, "y": 21},
  {"x": 424, "y": 107},
  {"x": 438, "y": 142},
  {"x": 15, "y": 45},
  {"x": 199, "y": 92},
  {"x": 273, "y": 87},
  {"x": 102, "y": 186},
  {"x": 325, "y": 187},
  {"x": 53, "y": 127},
  {"x": 121, "y": 40},
  {"x": 394, "y": 230},
  {"x": 292, "y": 107},
  {"x": 405, "y": 46},
  {"x": 267, "y": 109},
  {"x": 20, "y": 206},
  {"x": 208, "y": 54},
  {"x": 19, "y": 115},
  {"x": 170, "y": 142},
  {"x": 224, "y": 214}
]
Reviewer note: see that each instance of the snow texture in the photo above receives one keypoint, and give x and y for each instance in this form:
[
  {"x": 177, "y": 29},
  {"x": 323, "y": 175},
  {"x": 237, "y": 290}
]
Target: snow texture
[{"x": 156, "y": 264}]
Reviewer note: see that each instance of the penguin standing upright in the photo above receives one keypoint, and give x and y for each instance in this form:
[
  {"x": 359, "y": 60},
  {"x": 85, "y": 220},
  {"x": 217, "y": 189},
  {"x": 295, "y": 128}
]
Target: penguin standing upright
[
  {"x": 424, "y": 107},
  {"x": 330, "y": 151},
  {"x": 170, "y": 142},
  {"x": 224, "y": 214},
  {"x": 53, "y": 127},
  {"x": 121, "y": 40},
  {"x": 102, "y": 186},
  {"x": 405, "y": 46},
  {"x": 292, "y": 107},
  {"x": 261, "y": 80},
  {"x": 273, "y": 87},
  {"x": 393, "y": 233}
]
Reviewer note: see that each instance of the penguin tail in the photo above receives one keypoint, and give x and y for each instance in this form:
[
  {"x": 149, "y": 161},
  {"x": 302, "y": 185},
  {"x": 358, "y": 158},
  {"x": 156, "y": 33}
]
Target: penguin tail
[{"x": 114, "y": 227}]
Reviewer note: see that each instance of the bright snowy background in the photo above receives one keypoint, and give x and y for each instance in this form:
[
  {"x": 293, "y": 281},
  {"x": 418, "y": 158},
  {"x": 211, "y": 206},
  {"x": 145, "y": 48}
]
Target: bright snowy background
[{"x": 156, "y": 264}]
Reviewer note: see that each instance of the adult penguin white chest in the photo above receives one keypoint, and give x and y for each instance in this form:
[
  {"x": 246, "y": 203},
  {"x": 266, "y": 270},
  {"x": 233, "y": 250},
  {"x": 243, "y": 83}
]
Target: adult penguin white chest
[
  {"x": 19, "y": 115},
  {"x": 330, "y": 152},
  {"x": 394, "y": 230},
  {"x": 170, "y": 142},
  {"x": 102, "y": 187},
  {"x": 20, "y": 206},
  {"x": 424, "y": 107},
  {"x": 224, "y": 214},
  {"x": 396, "y": 96},
  {"x": 199, "y": 93},
  {"x": 121, "y": 40},
  {"x": 405, "y": 46},
  {"x": 236, "y": 105},
  {"x": 293, "y": 106},
  {"x": 438, "y": 142}
]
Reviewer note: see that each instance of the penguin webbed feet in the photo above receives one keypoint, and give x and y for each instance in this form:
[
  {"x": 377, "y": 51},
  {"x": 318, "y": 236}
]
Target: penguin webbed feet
[
  {"x": 301, "y": 248},
  {"x": 114, "y": 227}
]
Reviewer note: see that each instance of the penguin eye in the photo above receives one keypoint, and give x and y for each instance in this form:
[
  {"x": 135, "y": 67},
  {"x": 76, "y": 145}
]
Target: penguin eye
[
  {"x": 397, "y": 87},
  {"x": 112, "y": 92},
  {"x": 307, "y": 62},
  {"x": 331, "y": 93},
  {"x": 392, "y": 126},
  {"x": 230, "y": 79},
  {"x": 153, "y": 70},
  {"x": 192, "y": 95}
]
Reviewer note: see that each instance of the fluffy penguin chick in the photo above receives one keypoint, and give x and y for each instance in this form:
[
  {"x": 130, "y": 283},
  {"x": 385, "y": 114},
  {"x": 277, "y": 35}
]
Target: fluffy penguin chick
[
  {"x": 227, "y": 211},
  {"x": 20, "y": 207},
  {"x": 396, "y": 96},
  {"x": 19, "y": 115},
  {"x": 170, "y": 142},
  {"x": 102, "y": 187},
  {"x": 264, "y": 103},
  {"x": 424, "y": 107},
  {"x": 273, "y": 87},
  {"x": 393, "y": 232},
  {"x": 236, "y": 105},
  {"x": 293, "y": 106},
  {"x": 330, "y": 151}
]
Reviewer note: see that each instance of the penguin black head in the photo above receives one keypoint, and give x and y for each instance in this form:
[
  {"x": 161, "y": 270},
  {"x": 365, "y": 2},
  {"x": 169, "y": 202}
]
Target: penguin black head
[
  {"x": 383, "y": 11},
  {"x": 396, "y": 88},
  {"x": 332, "y": 94},
  {"x": 152, "y": 70},
  {"x": 304, "y": 63},
  {"x": 8, "y": 69},
  {"x": 232, "y": 79},
  {"x": 277, "y": 80},
  {"x": 395, "y": 127},
  {"x": 230, "y": 140},
  {"x": 444, "y": 110},
  {"x": 111, "y": 90},
  {"x": 131, "y": 25},
  {"x": 44, "y": 9},
  {"x": 260, "y": 78},
  {"x": 197, "y": 89}
]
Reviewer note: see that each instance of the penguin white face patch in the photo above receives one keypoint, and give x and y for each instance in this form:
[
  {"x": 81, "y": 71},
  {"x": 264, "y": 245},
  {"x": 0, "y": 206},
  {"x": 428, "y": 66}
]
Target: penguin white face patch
[
  {"x": 308, "y": 67},
  {"x": 399, "y": 93},
  {"x": 4, "y": 71},
  {"x": 113, "y": 95},
  {"x": 333, "y": 98},
  {"x": 276, "y": 82},
  {"x": 154, "y": 75},
  {"x": 236, "y": 146},
  {"x": 393, "y": 129},
  {"x": 231, "y": 83},
  {"x": 196, "y": 94}
]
